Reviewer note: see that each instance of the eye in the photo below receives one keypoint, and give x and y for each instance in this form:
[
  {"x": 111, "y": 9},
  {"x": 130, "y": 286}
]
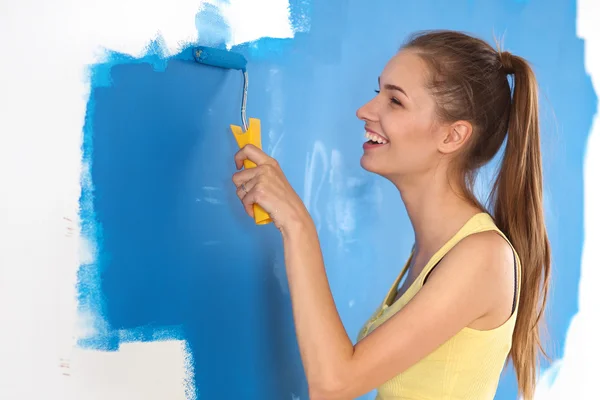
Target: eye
[{"x": 393, "y": 100}]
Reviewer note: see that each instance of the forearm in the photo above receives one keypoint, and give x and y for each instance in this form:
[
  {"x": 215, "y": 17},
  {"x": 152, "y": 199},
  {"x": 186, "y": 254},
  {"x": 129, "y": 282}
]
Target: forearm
[{"x": 325, "y": 347}]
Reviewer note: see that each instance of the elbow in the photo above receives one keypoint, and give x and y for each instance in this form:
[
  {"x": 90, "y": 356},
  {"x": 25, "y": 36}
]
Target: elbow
[
  {"x": 327, "y": 390},
  {"x": 339, "y": 381},
  {"x": 323, "y": 394}
]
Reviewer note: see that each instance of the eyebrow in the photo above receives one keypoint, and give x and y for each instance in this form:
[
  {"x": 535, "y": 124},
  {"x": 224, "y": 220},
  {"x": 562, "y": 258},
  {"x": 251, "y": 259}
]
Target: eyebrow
[{"x": 389, "y": 86}]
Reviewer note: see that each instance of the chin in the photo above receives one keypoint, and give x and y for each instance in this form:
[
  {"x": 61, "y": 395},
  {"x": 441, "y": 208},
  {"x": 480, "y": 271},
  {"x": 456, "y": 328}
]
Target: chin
[
  {"x": 369, "y": 164},
  {"x": 373, "y": 165}
]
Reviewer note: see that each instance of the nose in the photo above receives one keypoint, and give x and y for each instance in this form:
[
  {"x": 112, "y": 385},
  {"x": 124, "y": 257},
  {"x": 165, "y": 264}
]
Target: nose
[{"x": 367, "y": 112}]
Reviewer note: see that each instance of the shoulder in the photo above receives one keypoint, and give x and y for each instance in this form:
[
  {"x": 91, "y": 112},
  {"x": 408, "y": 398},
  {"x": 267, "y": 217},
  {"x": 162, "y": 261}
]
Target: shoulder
[
  {"x": 486, "y": 251},
  {"x": 481, "y": 264}
]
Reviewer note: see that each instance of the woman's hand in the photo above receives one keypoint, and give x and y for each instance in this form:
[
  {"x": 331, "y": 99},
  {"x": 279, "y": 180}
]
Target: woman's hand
[{"x": 267, "y": 186}]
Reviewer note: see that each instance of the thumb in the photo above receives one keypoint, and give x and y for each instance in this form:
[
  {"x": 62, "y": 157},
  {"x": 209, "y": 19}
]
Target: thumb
[{"x": 249, "y": 209}]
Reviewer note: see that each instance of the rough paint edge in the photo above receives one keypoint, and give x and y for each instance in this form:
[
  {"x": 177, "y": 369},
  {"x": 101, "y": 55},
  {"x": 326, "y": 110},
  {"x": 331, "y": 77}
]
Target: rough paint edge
[
  {"x": 300, "y": 15},
  {"x": 547, "y": 378},
  {"x": 90, "y": 301},
  {"x": 188, "y": 382},
  {"x": 93, "y": 330},
  {"x": 89, "y": 298},
  {"x": 157, "y": 53}
]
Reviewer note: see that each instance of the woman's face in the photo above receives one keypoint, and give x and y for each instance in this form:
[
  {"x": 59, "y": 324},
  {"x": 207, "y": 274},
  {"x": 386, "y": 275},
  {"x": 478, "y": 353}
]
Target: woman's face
[{"x": 401, "y": 120}]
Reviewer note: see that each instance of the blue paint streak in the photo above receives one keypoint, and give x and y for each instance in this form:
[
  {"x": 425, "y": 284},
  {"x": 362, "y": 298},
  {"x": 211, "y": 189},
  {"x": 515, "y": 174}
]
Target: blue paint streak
[
  {"x": 212, "y": 29},
  {"x": 176, "y": 255}
]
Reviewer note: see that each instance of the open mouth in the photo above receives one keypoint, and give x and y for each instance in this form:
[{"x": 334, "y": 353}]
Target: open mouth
[{"x": 375, "y": 139}]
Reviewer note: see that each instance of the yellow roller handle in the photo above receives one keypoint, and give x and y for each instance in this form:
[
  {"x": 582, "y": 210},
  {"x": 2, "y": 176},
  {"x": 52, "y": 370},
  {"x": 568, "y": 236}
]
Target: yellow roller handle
[{"x": 251, "y": 136}]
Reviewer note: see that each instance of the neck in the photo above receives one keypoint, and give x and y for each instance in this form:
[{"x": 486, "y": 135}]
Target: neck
[{"x": 436, "y": 211}]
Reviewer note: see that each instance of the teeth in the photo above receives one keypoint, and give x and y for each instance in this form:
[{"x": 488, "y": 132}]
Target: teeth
[{"x": 375, "y": 138}]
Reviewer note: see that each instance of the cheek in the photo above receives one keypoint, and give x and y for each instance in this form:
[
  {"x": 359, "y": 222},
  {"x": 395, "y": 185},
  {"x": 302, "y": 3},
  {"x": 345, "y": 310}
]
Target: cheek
[
  {"x": 406, "y": 131},
  {"x": 412, "y": 142}
]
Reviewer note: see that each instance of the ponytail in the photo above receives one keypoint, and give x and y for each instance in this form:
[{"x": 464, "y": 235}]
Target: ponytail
[{"x": 518, "y": 210}]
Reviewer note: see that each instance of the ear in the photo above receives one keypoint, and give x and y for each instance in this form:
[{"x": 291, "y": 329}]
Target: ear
[{"x": 457, "y": 134}]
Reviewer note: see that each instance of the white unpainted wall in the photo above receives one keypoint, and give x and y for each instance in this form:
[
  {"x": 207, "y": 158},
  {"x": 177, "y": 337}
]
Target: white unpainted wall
[{"x": 47, "y": 47}]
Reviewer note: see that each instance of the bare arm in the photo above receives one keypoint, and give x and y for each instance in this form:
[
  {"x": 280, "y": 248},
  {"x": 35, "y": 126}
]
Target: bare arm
[{"x": 325, "y": 347}]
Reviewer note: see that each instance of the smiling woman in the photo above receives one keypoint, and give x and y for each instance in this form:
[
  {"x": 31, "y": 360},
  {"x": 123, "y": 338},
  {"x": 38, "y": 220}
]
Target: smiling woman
[{"x": 474, "y": 287}]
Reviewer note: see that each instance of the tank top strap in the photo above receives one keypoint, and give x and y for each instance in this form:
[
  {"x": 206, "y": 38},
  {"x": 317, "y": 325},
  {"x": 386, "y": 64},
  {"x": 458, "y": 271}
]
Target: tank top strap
[{"x": 392, "y": 292}]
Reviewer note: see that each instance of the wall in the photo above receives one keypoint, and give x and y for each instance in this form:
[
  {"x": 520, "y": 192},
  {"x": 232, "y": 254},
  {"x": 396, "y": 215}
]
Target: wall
[{"x": 129, "y": 270}]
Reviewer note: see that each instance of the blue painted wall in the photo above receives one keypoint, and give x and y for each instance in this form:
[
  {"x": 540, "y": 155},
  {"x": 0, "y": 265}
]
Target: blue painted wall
[{"x": 179, "y": 258}]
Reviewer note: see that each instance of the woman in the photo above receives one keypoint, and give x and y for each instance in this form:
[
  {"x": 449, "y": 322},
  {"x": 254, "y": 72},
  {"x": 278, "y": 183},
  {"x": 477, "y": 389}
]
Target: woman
[{"x": 474, "y": 287}]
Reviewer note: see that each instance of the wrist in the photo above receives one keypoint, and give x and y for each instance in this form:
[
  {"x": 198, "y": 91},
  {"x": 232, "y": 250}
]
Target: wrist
[{"x": 299, "y": 225}]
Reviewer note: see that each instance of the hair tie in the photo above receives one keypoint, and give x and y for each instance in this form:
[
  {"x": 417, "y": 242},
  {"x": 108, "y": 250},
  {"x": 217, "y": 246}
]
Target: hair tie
[{"x": 506, "y": 60}]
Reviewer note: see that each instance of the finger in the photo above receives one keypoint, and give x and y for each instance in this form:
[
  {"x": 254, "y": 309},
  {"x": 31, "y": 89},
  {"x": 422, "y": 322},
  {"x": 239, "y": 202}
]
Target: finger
[
  {"x": 247, "y": 192},
  {"x": 251, "y": 198},
  {"x": 248, "y": 206},
  {"x": 252, "y": 153},
  {"x": 244, "y": 176},
  {"x": 244, "y": 188}
]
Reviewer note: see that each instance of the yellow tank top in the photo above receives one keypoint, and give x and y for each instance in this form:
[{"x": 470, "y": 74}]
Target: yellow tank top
[{"x": 468, "y": 365}]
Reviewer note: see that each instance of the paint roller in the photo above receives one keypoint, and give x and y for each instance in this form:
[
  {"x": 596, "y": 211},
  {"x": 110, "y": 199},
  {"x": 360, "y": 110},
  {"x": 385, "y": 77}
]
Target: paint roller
[{"x": 251, "y": 132}]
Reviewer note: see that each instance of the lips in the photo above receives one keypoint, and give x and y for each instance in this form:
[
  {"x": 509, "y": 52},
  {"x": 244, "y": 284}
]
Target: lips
[
  {"x": 375, "y": 138},
  {"x": 374, "y": 141}
]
